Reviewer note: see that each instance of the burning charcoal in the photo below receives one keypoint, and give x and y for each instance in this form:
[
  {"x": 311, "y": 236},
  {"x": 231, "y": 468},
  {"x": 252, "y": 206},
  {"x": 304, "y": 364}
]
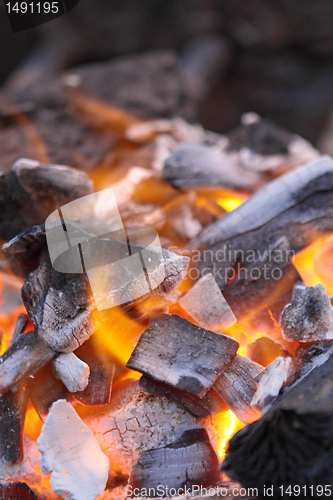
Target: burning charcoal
[
  {"x": 134, "y": 422},
  {"x": 183, "y": 355},
  {"x": 26, "y": 247},
  {"x": 278, "y": 209},
  {"x": 264, "y": 350},
  {"x": 12, "y": 414},
  {"x": 72, "y": 371},
  {"x": 16, "y": 491},
  {"x": 207, "y": 306},
  {"x": 270, "y": 381},
  {"x": 102, "y": 368},
  {"x": 59, "y": 305},
  {"x": 22, "y": 360},
  {"x": 70, "y": 451},
  {"x": 237, "y": 386},
  {"x": 291, "y": 444},
  {"x": 200, "y": 165},
  {"x": 21, "y": 323},
  {"x": 42, "y": 189},
  {"x": 260, "y": 145},
  {"x": 45, "y": 389},
  {"x": 210, "y": 404},
  {"x": 309, "y": 317},
  {"x": 189, "y": 461}
]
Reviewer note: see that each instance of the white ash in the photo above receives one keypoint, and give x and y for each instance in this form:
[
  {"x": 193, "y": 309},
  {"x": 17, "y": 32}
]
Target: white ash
[
  {"x": 69, "y": 449},
  {"x": 207, "y": 306},
  {"x": 72, "y": 371}
]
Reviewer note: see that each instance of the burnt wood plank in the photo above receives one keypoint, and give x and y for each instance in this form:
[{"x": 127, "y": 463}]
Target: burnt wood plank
[
  {"x": 13, "y": 407},
  {"x": 189, "y": 461},
  {"x": 45, "y": 389},
  {"x": 182, "y": 354}
]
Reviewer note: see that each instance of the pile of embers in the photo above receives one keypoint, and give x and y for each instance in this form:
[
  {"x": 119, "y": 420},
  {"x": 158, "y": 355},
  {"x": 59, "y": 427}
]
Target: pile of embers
[{"x": 163, "y": 432}]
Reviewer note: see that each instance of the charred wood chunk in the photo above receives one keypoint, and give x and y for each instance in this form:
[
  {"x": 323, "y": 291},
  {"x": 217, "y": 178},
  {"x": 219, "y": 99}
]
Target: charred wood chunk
[
  {"x": 41, "y": 188},
  {"x": 183, "y": 355},
  {"x": 16, "y": 491},
  {"x": 102, "y": 371},
  {"x": 21, "y": 323},
  {"x": 270, "y": 381},
  {"x": 309, "y": 317},
  {"x": 237, "y": 386},
  {"x": 26, "y": 247},
  {"x": 189, "y": 461},
  {"x": 13, "y": 407},
  {"x": 200, "y": 165},
  {"x": 72, "y": 371},
  {"x": 264, "y": 146},
  {"x": 45, "y": 389},
  {"x": 261, "y": 288},
  {"x": 292, "y": 442},
  {"x": 59, "y": 305},
  {"x": 207, "y": 306},
  {"x": 209, "y": 404},
  {"x": 264, "y": 350},
  {"x": 23, "y": 359}
]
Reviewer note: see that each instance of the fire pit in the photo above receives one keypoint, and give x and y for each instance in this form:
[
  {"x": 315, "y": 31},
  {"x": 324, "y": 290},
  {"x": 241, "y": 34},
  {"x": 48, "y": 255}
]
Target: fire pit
[{"x": 230, "y": 328}]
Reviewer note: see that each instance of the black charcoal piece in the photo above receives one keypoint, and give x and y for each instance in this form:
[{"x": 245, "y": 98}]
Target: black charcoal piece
[
  {"x": 16, "y": 491},
  {"x": 20, "y": 325},
  {"x": 189, "y": 461},
  {"x": 181, "y": 354},
  {"x": 309, "y": 317},
  {"x": 102, "y": 370},
  {"x": 31, "y": 191},
  {"x": 200, "y": 165},
  {"x": 292, "y": 442},
  {"x": 26, "y": 247},
  {"x": 209, "y": 404},
  {"x": 264, "y": 350},
  {"x": 13, "y": 407},
  {"x": 236, "y": 385},
  {"x": 45, "y": 389}
]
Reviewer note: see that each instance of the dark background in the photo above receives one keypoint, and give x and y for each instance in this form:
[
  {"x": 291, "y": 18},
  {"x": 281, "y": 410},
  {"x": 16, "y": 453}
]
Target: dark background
[{"x": 269, "y": 56}]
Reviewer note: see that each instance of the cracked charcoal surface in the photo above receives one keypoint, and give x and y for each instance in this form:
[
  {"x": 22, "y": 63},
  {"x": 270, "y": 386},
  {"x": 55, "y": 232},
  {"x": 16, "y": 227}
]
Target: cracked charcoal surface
[{"x": 134, "y": 422}]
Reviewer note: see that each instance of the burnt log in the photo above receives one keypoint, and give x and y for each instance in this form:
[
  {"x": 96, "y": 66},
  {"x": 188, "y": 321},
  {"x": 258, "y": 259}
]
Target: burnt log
[
  {"x": 203, "y": 407},
  {"x": 198, "y": 165},
  {"x": 291, "y": 444},
  {"x": 181, "y": 354},
  {"x": 237, "y": 385},
  {"x": 187, "y": 462},
  {"x": 16, "y": 491},
  {"x": 207, "y": 306},
  {"x": 26, "y": 247},
  {"x": 39, "y": 187},
  {"x": 309, "y": 317}
]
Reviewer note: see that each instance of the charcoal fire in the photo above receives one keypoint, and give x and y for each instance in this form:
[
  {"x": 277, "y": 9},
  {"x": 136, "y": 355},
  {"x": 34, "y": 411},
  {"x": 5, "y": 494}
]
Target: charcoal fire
[{"x": 217, "y": 372}]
